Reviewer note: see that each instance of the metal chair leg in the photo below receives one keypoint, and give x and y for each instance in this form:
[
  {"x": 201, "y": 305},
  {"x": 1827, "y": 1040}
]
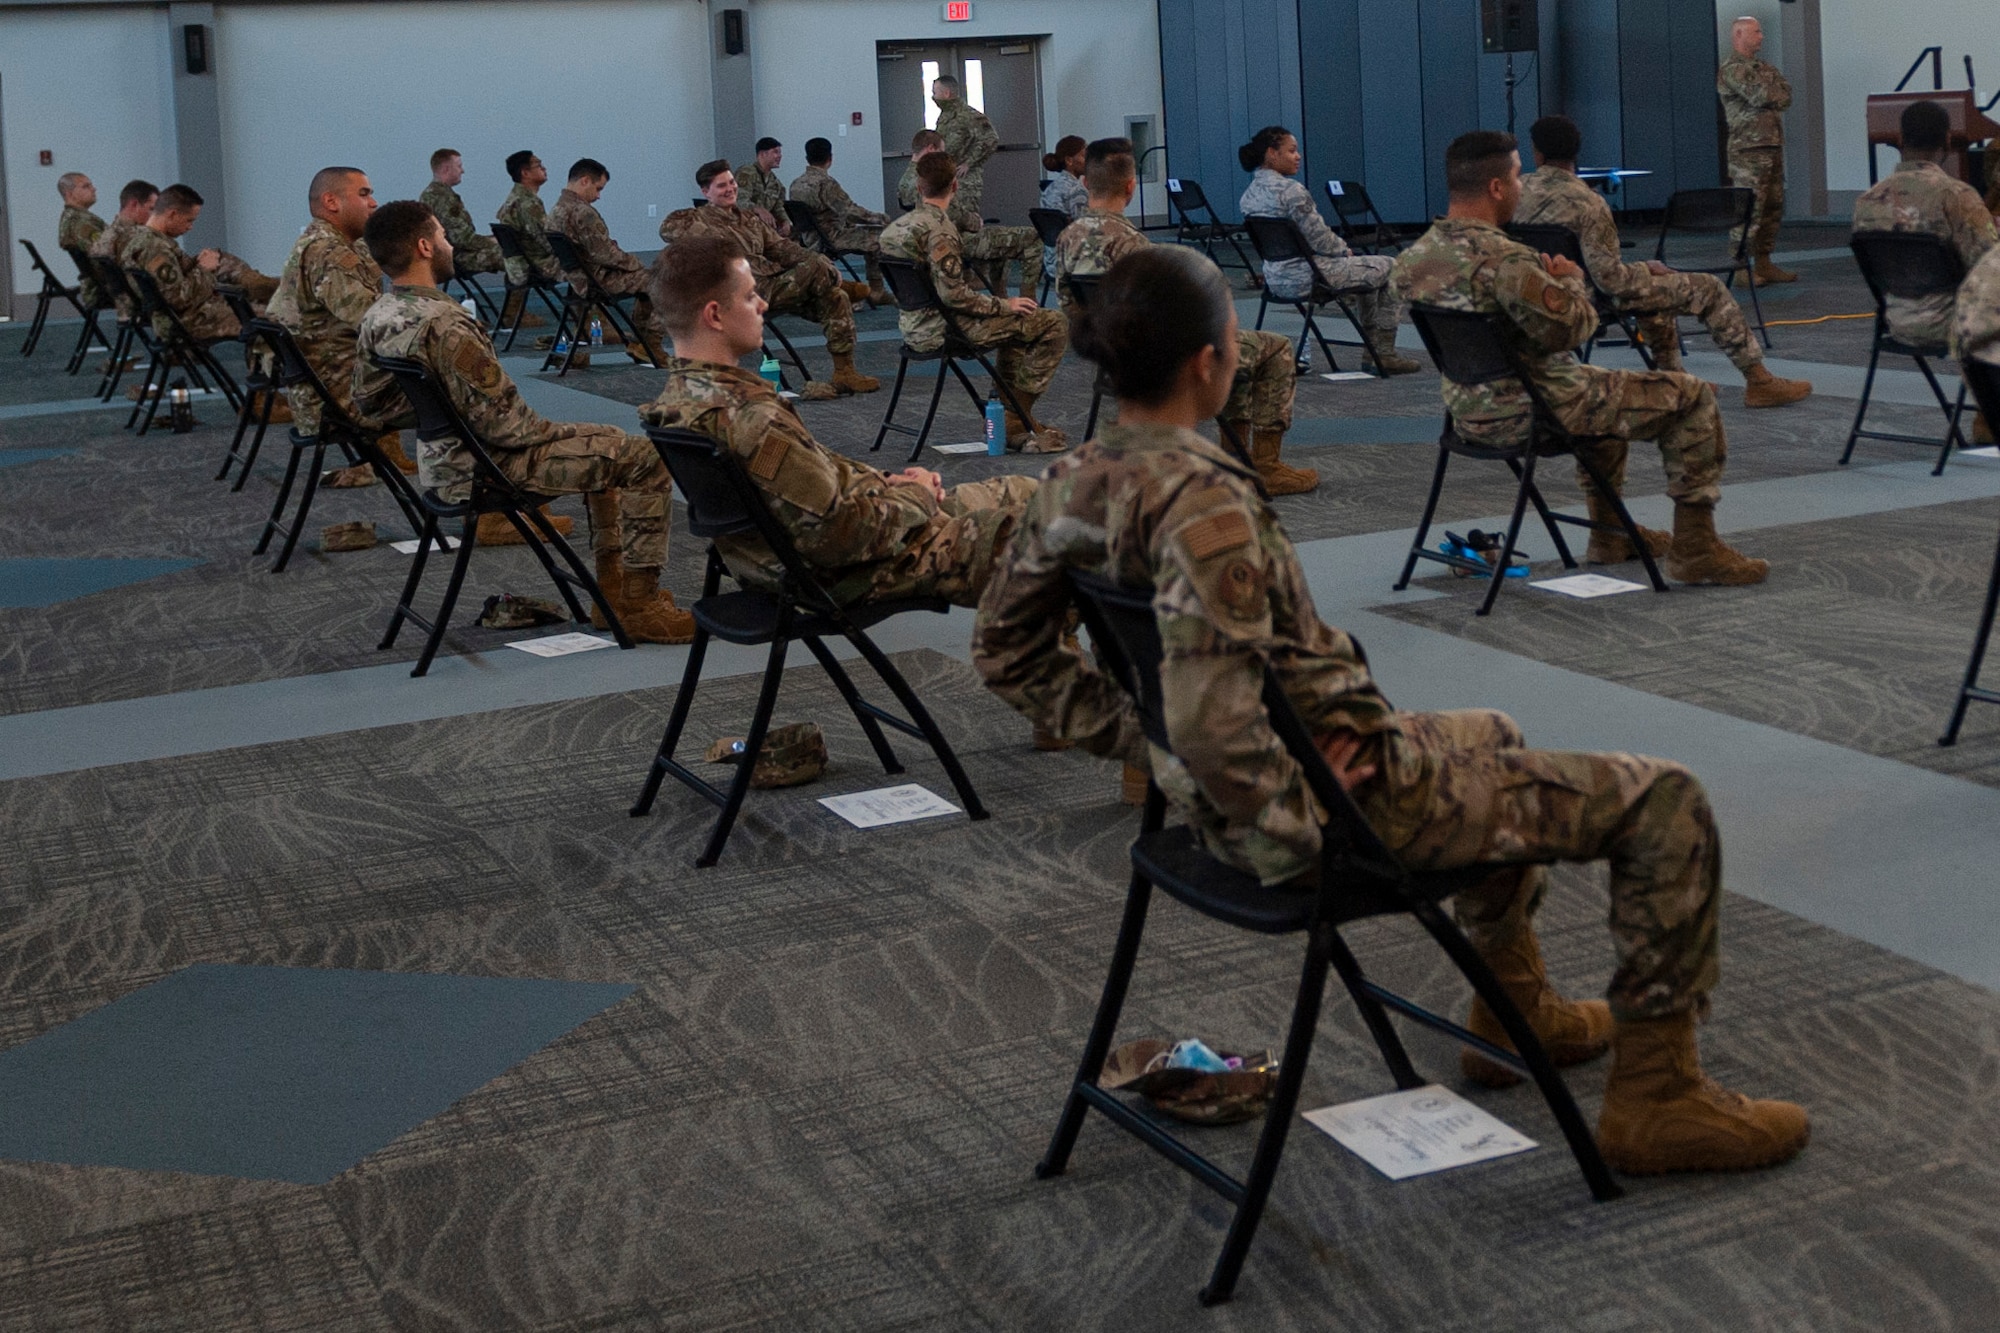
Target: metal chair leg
[
  {"x": 425, "y": 539},
  {"x": 845, "y": 684},
  {"x": 760, "y": 724},
  {"x": 1969, "y": 689},
  {"x": 676, "y": 720},
  {"x": 273, "y": 523},
  {"x": 895, "y": 396},
  {"x": 1867, "y": 389},
  {"x": 917, "y": 713},
  {"x": 442, "y": 623},
  {"x": 1374, "y": 1014},
  {"x": 306, "y": 495},
  {"x": 1525, "y": 469},
  {"x": 930, "y": 414},
  {"x": 1424, "y": 524}
]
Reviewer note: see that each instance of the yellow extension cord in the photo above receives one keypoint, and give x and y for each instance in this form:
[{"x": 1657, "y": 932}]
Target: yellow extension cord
[{"x": 1782, "y": 323}]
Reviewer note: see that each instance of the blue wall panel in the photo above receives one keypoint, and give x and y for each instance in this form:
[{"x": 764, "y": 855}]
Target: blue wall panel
[
  {"x": 1392, "y": 98},
  {"x": 1330, "y": 86}
]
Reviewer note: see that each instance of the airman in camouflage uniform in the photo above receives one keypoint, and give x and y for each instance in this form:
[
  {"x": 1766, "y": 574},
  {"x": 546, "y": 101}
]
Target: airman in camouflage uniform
[
  {"x": 761, "y": 190},
  {"x": 845, "y": 223},
  {"x": 329, "y": 283},
  {"x": 522, "y": 210},
  {"x": 989, "y": 247},
  {"x": 1754, "y": 98},
  {"x": 1920, "y": 196},
  {"x": 1976, "y": 329},
  {"x": 1553, "y": 196},
  {"x": 1030, "y": 341},
  {"x": 184, "y": 284},
  {"x": 78, "y": 228},
  {"x": 868, "y": 533},
  {"x": 472, "y": 250},
  {"x": 968, "y": 136},
  {"x": 618, "y": 273}
]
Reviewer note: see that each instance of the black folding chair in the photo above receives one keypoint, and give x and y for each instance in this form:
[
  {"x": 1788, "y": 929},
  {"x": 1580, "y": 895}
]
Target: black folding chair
[
  {"x": 1359, "y": 878},
  {"x": 53, "y": 289},
  {"x": 581, "y": 302},
  {"x": 176, "y": 349},
  {"x": 1358, "y": 221},
  {"x": 1277, "y": 240},
  {"x": 1469, "y": 349},
  {"x": 111, "y": 281},
  {"x": 470, "y": 289},
  {"x": 1984, "y": 379},
  {"x": 1550, "y": 239},
  {"x": 1698, "y": 217},
  {"x": 914, "y": 292},
  {"x": 260, "y": 396},
  {"x": 1199, "y": 224},
  {"x": 493, "y": 492},
  {"x": 547, "y": 290},
  {"x": 359, "y": 445},
  {"x": 1083, "y": 287},
  {"x": 722, "y": 501},
  {"x": 1049, "y": 224},
  {"x": 807, "y": 232},
  {"x": 100, "y": 302},
  {"x": 1907, "y": 266}
]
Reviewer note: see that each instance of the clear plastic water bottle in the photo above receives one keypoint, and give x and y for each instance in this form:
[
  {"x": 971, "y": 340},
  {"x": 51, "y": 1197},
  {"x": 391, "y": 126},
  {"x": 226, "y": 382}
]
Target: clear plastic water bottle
[
  {"x": 771, "y": 374},
  {"x": 562, "y": 345},
  {"x": 597, "y": 333},
  {"x": 996, "y": 426}
]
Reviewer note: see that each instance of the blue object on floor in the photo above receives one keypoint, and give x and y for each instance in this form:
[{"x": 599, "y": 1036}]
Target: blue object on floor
[
  {"x": 15, "y": 457},
  {"x": 36, "y": 582},
  {"x": 272, "y": 1073}
]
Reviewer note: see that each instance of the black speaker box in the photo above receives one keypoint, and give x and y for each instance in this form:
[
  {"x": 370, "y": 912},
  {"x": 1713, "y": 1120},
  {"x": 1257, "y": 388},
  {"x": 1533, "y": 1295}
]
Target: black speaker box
[
  {"x": 1509, "y": 25},
  {"x": 732, "y": 32}
]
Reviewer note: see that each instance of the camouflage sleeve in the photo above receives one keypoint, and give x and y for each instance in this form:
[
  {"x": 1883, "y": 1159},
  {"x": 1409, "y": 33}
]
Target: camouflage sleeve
[
  {"x": 183, "y": 282},
  {"x": 1019, "y": 651},
  {"x": 462, "y": 358},
  {"x": 836, "y": 512},
  {"x": 1211, "y": 597},
  {"x": 1976, "y": 326},
  {"x": 1777, "y": 90},
  {"x": 1601, "y": 255},
  {"x": 1553, "y": 314},
  {"x": 978, "y": 140},
  {"x": 340, "y": 282},
  {"x": 946, "y": 258},
  {"x": 1299, "y": 208},
  {"x": 781, "y": 249},
  {"x": 376, "y": 396},
  {"x": 906, "y": 186},
  {"x": 847, "y": 213},
  {"x": 1972, "y": 228}
]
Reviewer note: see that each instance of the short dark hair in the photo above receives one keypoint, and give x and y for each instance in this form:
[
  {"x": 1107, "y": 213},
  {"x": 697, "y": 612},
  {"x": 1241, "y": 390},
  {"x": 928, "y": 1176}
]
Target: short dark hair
[
  {"x": 1107, "y": 165},
  {"x": 935, "y": 174},
  {"x": 393, "y": 231},
  {"x": 328, "y": 178},
  {"x": 948, "y": 80},
  {"x": 1475, "y": 159},
  {"x": 177, "y": 199},
  {"x": 1155, "y": 308},
  {"x": 588, "y": 169},
  {"x": 923, "y": 139},
  {"x": 708, "y": 171},
  {"x": 1251, "y": 155},
  {"x": 1926, "y": 127},
  {"x": 819, "y": 152},
  {"x": 767, "y": 143},
  {"x": 137, "y": 192},
  {"x": 442, "y": 156},
  {"x": 688, "y": 275},
  {"x": 518, "y": 163},
  {"x": 1556, "y": 138}
]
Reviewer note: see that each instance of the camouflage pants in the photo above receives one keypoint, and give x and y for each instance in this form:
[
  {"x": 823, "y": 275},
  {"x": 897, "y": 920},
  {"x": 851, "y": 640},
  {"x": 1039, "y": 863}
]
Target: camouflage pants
[
  {"x": 991, "y": 249},
  {"x": 1663, "y": 298},
  {"x": 955, "y": 555},
  {"x": 1458, "y": 788},
  {"x": 211, "y": 321},
  {"x": 1761, "y": 170},
  {"x": 1675, "y": 410},
  {"x": 1030, "y": 345},
  {"x": 480, "y": 255},
  {"x": 604, "y": 458},
  {"x": 1377, "y": 308},
  {"x": 338, "y": 376},
  {"x": 259, "y": 288},
  {"x": 1265, "y": 381},
  {"x": 868, "y": 242},
  {"x": 812, "y": 292}
]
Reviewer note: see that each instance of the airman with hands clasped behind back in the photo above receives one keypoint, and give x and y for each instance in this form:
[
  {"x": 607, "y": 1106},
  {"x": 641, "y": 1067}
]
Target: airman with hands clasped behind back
[{"x": 1755, "y": 97}]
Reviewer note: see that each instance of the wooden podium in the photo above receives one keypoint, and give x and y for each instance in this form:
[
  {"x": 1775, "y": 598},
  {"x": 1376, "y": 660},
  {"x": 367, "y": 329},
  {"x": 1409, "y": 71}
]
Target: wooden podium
[{"x": 1969, "y": 125}]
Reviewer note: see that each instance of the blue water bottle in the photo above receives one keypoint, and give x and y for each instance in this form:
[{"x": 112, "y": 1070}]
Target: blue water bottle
[
  {"x": 770, "y": 373},
  {"x": 996, "y": 427},
  {"x": 562, "y": 345},
  {"x": 597, "y": 333}
]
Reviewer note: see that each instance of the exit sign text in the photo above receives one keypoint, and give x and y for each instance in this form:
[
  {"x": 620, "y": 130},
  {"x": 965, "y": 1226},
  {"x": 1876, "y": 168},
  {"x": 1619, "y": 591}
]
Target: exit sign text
[{"x": 958, "y": 11}]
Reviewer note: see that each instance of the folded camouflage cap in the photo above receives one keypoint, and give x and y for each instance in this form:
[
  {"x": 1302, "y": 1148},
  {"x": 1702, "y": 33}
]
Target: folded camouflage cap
[
  {"x": 347, "y": 536},
  {"x": 508, "y": 610},
  {"x": 792, "y": 754},
  {"x": 1188, "y": 1094}
]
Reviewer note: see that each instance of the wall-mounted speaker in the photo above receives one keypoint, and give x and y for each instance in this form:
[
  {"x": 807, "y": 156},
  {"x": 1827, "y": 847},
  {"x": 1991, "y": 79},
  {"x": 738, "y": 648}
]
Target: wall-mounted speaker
[
  {"x": 733, "y": 43},
  {"x": 1509, "y": 25},
  {"x": 194, "y": 46}
]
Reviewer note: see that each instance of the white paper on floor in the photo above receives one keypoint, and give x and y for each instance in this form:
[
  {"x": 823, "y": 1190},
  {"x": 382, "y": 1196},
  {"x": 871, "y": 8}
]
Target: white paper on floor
[
  {"x": 1417, "y": 1132},
  {"x": 408, "y": 546},
  {"x": 969, "y": 447},
  {"x": 560, "y": 645},
  {"x": 1337, "y": 376},
  {"x": 888, "y": 805},
  {"x": 1588, "y": 585},
  {"x": 1983, "y": 451}
]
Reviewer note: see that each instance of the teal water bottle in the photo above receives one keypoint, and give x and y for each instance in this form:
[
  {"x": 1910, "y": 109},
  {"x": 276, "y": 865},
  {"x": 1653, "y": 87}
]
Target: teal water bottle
[
  {"x": 996, "y": 426},
  {"x": 770, "y": 373}
]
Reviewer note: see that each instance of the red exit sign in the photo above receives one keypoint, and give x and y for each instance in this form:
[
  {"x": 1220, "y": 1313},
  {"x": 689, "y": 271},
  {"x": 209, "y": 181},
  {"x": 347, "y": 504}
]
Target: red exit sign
[{"x": 958, "y": 11}]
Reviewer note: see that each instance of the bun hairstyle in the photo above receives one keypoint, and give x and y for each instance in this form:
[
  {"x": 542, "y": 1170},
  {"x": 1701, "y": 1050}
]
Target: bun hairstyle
[
  {"x": 1251, "y": 154},
  {"x": 1155, "y": 308},
  {"x": 1066, "y": 148}
]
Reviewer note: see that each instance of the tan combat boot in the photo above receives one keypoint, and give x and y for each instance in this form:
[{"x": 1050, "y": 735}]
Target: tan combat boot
[
  {"x": 857, "y": 292},
  {"x": 610, "y": 560},
  {"x": 878, "y": 295},
  {"x": 1572, "y": 1031},
  {"x": 1028, "y": 436},
  {"x": 1769, "y": 273},
  {"x": 281, "y": 407},
  {"x": 846, "y": 379},
  {"x": 647, "y": 610},
  {"x": 1279, "y": 477},
  {"x": 495, "y": 530},
  {"x": 1763, "y": 389},
  {"x": 1390, "y": 361},
  {"x": 1661, "y": 1113},
  {"x": 1699, "y": 556},
  {"x": 1614, "y": 547},
  {"x": 1132, "y": 785},
  {"x": 391, "y": 446}
]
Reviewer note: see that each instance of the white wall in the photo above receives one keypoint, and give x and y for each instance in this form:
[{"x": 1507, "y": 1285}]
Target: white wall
[
  {"x": 379, "y": 86},
  {"x": 91, "y": 86},
  {"x": 1867, "y": 44},
  {"x": 815, "y": 63}
]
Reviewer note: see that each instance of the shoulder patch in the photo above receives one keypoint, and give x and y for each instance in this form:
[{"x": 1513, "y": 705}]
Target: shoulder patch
[
  {"x": 1216, "y": 534},
  {"x": 770, "y": 456}
]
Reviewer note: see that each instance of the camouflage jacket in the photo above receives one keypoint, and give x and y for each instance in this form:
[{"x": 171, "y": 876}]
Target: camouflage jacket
[
  {"x": 1921, "y": 196},
  {"x": 584, "y": 226},
  {"x": 1553, "y": 197},
  {"x": 847, "y": 519},
  {"x": 758, "y": 188},
  {"x": 459, "y": 228},
  {"x": 184, "y": 284},
  {"x": 426, "y": 325},
  {"x": 1463, "y": 264},
  {"x": 831, "y": 206},
  {"x": 1271, "y": 195},
  {"x": 1065, "y": 194},
  {"x": 963, "y": 215},
  {"x": 770, "y": 254},
  {"x": 523, "y": 212},
  {"x": 971, "y": 140},
  {"x": 1754, "y": 97},
  {"x": 111, "y": 242},
  {"x": 328, "y": 284},
  {"x": 1090, "y": 245},
  {"x": 1163, "y": 507},
  {"x": 1976, "y": 329},
  {"x": 927, "y": 238},
  {"x": 78, "y": 228}
]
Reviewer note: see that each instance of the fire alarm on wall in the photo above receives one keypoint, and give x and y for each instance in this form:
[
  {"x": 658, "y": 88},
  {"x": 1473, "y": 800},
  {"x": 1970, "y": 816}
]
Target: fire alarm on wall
[
  {"x": 856, "y": 120},
  {"x": 49, "y": 156}
]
